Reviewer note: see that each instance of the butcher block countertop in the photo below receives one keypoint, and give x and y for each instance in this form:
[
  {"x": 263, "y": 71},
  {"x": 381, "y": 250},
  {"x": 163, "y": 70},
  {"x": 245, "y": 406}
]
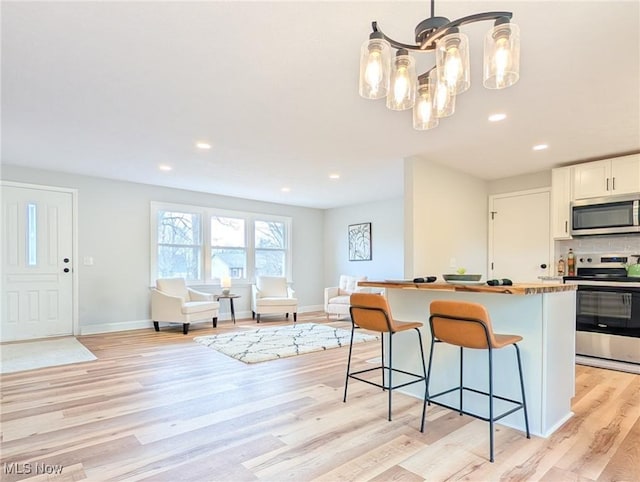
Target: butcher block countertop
[{"x": 516, "y": 289}]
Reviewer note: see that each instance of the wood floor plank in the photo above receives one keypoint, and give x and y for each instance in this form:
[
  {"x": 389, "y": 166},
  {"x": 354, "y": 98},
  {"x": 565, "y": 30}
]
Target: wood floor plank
[{"x": 160, "y": 407}]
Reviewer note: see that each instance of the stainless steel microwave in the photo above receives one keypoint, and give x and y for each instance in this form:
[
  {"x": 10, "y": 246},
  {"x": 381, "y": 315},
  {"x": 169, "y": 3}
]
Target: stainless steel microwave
[{"x": 606, "y": 215}]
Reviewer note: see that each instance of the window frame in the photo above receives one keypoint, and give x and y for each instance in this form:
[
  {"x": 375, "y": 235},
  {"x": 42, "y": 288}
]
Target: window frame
[{"x": 206, "y": 213}]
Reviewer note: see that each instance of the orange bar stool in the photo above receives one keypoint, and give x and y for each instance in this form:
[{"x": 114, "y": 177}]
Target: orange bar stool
[
  {"x": 468, "y": 325},
  {"x": 371, "y": 312}
]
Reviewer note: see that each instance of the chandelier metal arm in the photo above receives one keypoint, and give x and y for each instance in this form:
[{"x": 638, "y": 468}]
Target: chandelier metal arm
[
  {"x": 429, "y": 41},
  {"x": 394, "y": 43}
]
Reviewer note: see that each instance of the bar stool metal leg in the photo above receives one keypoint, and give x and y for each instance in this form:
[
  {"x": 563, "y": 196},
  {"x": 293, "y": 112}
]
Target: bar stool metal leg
[
  {"x": 491, "y": 422},
  {"x": 346, "y": 382},
  {"x": 524, "y": 402},
  {"x": 390, "y": 370},
  {"x": 461, "y": 382}
]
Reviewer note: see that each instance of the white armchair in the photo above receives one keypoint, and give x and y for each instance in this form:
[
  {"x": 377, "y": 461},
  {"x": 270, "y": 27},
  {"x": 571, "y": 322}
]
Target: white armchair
[
  {"x": 173, "y": 302},
  {"x": 272, "y": 294},
  {"x": 336, "y": 298}
]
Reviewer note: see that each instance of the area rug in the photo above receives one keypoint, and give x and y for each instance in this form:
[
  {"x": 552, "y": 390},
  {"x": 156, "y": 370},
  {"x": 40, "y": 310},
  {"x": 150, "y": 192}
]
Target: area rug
[
  {"x": 29, "y": 355},
  {"x": 281, "y": 341}
]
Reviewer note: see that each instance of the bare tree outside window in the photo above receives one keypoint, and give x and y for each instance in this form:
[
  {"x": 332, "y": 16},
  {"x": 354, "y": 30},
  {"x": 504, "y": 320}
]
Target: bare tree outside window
[
  {"x": 228, "y": 247},
  {"x": 179, "y": 245},
  {"x": 271, "y": 248}
]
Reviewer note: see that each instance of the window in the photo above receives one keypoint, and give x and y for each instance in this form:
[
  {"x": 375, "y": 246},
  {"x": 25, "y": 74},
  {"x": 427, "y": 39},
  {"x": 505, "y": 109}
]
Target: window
[
  {"x": 271, "y": 248},
  {"x": 239, "y": 245},
  {"x": 179, "y": 245},
  {"x": 228, "y": 248}
]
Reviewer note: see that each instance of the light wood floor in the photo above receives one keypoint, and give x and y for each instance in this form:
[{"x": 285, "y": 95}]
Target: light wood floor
[{"x": 158, "y": 406}]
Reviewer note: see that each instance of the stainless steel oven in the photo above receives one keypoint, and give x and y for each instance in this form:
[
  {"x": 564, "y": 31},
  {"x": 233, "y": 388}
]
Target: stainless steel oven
[{"x": 607, "y": 310}]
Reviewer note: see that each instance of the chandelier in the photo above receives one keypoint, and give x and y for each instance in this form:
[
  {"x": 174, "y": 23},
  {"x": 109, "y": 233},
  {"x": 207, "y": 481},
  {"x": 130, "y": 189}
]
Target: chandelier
[{"x": 432, "y": 94}]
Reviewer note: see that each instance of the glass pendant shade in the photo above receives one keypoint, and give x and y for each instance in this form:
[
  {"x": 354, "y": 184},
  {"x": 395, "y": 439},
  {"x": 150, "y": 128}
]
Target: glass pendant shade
[
  {"x": 375, "y": 58},
  {"x": 424, "y": 113},
  {"x": 402, "y": 82},
  {"x": 452, "y": 61},
  {"x": 502, "y": 56},
  {"x": 444, "y": 100}
]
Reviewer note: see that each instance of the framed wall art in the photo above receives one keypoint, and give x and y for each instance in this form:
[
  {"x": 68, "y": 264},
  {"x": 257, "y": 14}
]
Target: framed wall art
[{"x": 360, "y": 242}]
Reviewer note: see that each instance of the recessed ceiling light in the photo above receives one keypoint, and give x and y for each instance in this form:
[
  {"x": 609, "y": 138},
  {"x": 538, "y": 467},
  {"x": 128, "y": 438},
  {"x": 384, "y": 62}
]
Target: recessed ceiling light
[
  {"x": 164, "y": 167},
  {"x": 334, "y": 176},
  {"x": 540, "y": 147},
  {"x": 285, "y": 189},
  {"x": 203, "y": 145},
  {"x": 497, "y": 117}
]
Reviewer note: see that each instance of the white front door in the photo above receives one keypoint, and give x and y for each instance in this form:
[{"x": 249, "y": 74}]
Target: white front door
[
  {"x": 37, "y": 264},
  {"x": 519, "y": 236}
]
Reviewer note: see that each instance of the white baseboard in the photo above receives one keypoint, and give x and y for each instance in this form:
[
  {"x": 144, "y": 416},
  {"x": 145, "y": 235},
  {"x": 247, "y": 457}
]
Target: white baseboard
[{"x": 98, "y": 328}]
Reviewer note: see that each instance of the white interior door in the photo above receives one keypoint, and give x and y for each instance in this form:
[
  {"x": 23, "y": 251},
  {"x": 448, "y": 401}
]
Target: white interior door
[
  {"x": 519, "y": 236},
  {"x": 37, "y": 265}
]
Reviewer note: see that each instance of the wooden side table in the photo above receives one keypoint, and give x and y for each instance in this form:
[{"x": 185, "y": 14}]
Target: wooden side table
[{"x": 229, "y": 297}]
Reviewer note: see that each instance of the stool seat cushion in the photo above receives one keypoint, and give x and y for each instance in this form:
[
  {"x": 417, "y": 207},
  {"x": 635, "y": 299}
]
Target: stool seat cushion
[
  {"x": 406, "y": 325},
  {"x": 501, "y": 341}
]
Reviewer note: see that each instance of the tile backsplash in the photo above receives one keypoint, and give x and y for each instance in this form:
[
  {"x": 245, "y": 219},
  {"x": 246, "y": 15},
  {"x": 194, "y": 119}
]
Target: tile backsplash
[{"x": 619, "y": 243}]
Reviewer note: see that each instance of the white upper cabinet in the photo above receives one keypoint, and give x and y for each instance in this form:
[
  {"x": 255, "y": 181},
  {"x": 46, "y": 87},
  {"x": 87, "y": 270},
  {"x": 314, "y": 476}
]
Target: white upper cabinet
[
  {"x": 620, "y": 175},
  {"x": 561, "y": 202}
]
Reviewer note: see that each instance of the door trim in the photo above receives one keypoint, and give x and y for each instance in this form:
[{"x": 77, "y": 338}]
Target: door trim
[
  {"x": 74, "y": 239},
  {"x": 526, "y": 192}
]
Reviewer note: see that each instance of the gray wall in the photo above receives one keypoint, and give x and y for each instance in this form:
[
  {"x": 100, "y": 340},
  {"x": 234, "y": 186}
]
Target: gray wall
[
  {"x": 113, "y": 228},
  {"x": 387, "y": 241}
]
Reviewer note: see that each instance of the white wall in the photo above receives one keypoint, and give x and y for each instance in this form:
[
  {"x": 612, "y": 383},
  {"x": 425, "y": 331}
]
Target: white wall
[
  {"x": 447, "y": 213},
  {"x": 524, "y": 182},
  {"x": 113, "y": 228},
  {"x": 387, "y": 241}
]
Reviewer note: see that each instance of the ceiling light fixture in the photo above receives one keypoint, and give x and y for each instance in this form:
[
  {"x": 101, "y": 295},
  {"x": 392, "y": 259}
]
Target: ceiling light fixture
[
  {"x": 497, "y": 117},
  {"x": 203, "y": 145},
  {"x": 540, "y": 147},
  {"x": 432, "y": 94},
  {"x": 165, "y": 167},
  {"x": 286, "y": 189},
  {"x": 334, "y": 176}
]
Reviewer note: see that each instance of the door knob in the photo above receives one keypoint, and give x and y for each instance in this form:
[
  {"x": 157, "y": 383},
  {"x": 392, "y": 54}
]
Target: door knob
[
  {"x": 66, "y": 260},
  {"x": 543, "y": 266},
  {"x": 66, "y": 270}
]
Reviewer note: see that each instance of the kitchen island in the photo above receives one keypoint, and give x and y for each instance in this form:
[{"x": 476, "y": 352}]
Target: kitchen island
[{"x": 543, "y": 314}]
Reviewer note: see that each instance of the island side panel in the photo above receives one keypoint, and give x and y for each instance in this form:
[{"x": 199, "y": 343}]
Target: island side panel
[
  {"x": 521, "y": 315},
  {"x": 559, "y": 373}
]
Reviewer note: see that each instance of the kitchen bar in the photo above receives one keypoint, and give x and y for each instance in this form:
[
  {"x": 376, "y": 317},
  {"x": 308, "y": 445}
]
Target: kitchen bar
[{"x": 543, "y": 314}]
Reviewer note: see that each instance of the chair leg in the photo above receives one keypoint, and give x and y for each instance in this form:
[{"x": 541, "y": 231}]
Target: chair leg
[
  {"x": 295, "y": 317},
  {"x": 253, "y": 315},
  {"x": 461, "y": 381},
  {"x": 382, "y": 360},
  {"x": 215, "y": 322},
  {"x": 286, "y": 315},
  {"x": 390, "y": 371},
  {"x": 346, "y": 381},
  {"x": 257, "y": 317},
  {"x": 185, "y": 328},
  {"x": 426, "y": 398},
  {"x": 524, "y": 403},
  {"x": 490, "y": 405},
  {"x": 424, "y": 372},
  {"x": 156, "y": 325}
]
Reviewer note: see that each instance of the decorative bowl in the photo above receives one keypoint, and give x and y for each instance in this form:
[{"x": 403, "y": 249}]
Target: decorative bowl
[{"x": 462, "y": 277}]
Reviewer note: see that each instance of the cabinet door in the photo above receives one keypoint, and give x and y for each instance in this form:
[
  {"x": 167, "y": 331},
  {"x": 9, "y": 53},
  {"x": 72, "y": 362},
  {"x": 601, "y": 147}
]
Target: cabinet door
[
  {"x": 561, "y": 202},
  {"x": 625, "y": 174},
  {"x": 592, "y": 179}
]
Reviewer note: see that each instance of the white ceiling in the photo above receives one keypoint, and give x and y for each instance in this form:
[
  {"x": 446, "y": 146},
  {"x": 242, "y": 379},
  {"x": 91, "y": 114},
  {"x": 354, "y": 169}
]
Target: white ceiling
[{"x": 114, "y": 89}]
